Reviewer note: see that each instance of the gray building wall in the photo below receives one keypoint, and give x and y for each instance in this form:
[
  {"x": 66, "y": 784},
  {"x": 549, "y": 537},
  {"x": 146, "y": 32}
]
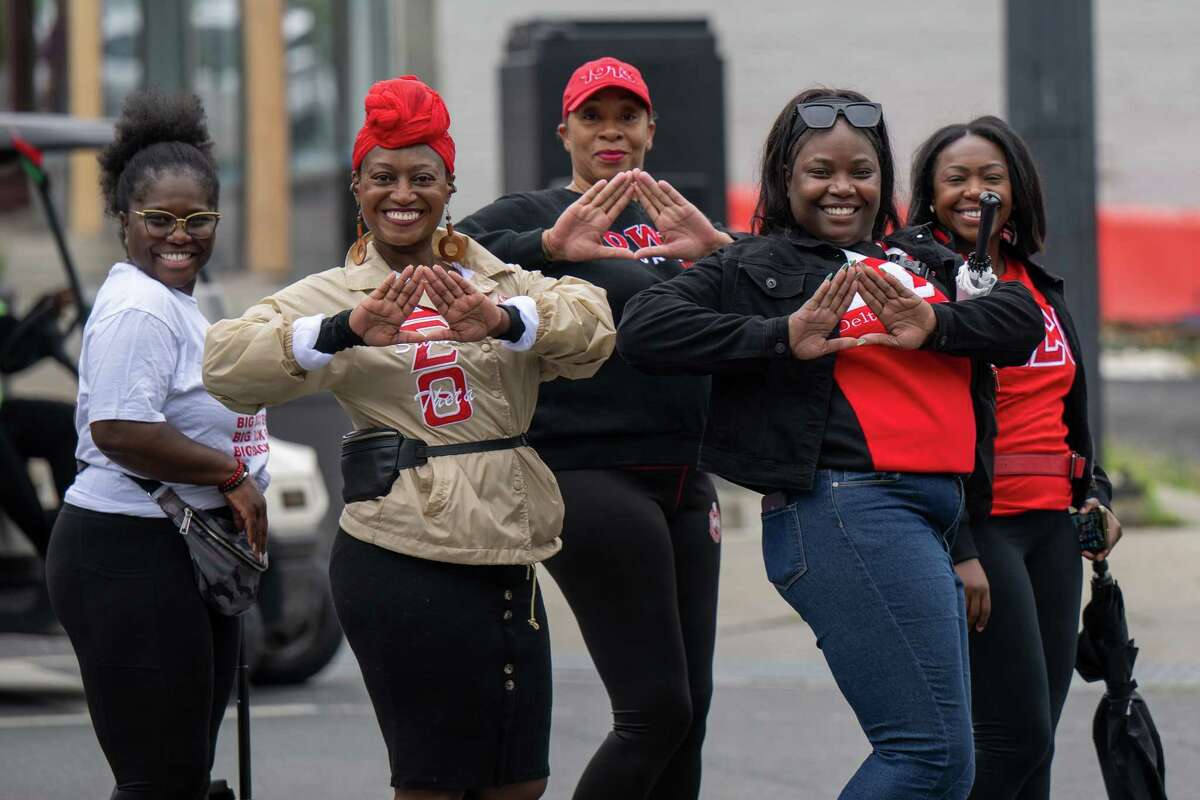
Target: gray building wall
[{"x": 929, "y": 63}]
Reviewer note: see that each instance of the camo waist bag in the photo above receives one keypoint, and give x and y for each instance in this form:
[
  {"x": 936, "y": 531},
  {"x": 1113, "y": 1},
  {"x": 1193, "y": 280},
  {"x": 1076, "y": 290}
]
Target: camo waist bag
[{"x": 226, "y": 567}]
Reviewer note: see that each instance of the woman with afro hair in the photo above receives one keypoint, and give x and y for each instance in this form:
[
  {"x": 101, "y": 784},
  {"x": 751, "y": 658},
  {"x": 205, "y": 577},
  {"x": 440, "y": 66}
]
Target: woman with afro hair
[{"x": 157, "y": 663}]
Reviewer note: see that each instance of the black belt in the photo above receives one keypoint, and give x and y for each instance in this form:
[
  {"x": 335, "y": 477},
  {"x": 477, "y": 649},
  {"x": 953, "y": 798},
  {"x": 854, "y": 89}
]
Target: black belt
[
  {"x": 372, "y": 458},
  {"x": 425, "y": 451}
]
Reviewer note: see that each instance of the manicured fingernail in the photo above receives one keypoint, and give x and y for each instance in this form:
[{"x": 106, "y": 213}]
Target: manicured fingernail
[{"x": 828, "y": 277}]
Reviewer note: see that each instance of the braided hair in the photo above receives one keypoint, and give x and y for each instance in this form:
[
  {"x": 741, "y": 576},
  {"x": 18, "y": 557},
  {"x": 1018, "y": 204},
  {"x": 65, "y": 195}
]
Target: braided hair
[{"x": 156, "y": 133}]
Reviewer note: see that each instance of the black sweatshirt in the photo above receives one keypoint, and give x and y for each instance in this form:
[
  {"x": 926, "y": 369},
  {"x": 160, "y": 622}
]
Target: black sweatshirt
[{"x": 620, "y": 417}]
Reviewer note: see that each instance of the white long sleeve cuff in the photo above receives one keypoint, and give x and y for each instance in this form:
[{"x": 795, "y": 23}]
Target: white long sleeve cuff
[
  {"x": 529, "y": 315},
  {"x": 304, "y": 339}
]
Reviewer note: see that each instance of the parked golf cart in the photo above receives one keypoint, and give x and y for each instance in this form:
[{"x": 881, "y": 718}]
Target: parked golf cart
[{"x": 293, "y": 631}]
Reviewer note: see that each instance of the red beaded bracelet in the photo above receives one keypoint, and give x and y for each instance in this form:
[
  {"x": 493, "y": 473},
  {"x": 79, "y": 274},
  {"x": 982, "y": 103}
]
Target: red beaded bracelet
[{"x": 235, "y": 480}]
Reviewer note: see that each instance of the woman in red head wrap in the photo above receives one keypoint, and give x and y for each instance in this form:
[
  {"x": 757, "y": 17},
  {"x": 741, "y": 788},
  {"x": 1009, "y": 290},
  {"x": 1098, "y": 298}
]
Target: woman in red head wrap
[
  {"x": 435, "y": 348},
  {"x": 406, "y": 131}
]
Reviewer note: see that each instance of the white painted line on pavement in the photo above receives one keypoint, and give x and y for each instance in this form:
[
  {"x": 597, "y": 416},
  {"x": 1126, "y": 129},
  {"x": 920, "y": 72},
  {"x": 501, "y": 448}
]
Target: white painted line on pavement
[
  {"x": 20, "y": 673},
  {"x": 257, "y": 712},
  {"x": 45, "y": 721},
  {"x": 283, "y": 710}
]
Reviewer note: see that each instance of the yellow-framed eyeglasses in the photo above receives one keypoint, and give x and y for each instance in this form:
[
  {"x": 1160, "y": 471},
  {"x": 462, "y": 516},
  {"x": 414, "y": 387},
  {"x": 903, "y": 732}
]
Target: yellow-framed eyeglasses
[{"x": 161, "y": 224}]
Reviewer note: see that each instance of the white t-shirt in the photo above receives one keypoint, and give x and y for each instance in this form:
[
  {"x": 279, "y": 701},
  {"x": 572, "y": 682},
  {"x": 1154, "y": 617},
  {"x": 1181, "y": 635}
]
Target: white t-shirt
[{"x": 143, "y": 347}]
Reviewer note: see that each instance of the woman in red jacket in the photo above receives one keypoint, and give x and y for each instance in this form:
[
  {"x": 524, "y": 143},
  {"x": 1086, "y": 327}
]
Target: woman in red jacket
[{"x": 1021, "y": 571}]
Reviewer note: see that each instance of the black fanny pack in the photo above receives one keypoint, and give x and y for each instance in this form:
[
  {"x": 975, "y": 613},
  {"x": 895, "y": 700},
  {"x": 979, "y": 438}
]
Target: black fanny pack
[
  {"x": 372, "y": 458},
  {"x": 227, "y": 569}
]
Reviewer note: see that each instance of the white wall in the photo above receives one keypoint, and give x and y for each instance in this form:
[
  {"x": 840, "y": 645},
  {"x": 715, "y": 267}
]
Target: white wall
[{"x": 930, "y": 63}]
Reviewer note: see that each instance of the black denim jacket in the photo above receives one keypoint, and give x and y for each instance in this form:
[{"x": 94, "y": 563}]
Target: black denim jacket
[{"x": 727, "y": 316}]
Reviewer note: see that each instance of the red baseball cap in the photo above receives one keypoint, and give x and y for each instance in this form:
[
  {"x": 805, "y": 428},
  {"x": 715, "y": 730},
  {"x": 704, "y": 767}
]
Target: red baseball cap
[{"x": 601, "y": 74}]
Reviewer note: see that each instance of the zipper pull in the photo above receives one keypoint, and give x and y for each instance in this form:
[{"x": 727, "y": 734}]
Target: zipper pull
[{"x": 187, "y": 521}]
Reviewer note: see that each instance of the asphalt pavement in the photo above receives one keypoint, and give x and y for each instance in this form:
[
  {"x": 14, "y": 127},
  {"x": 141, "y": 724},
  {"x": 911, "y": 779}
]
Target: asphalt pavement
[
  {"x": 1155, "y": 415},
  {"x": 778, "y": 726}
]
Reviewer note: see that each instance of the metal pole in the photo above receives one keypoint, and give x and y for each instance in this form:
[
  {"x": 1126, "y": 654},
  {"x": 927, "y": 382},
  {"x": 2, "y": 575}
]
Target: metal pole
[
  {"x": 19, "y": 55},
  {"x": 20, "y": 45},
  {"x": 243, "y": 714},
  {"x": 166, "y": 46},
  {"x": 82, "y": 309},
  {"x": 1051, "y": 103}
]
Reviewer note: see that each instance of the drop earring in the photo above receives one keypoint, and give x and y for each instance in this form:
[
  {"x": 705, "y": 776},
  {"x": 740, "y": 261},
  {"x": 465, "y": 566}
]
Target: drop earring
[
  {"x": 1009, "y": 234},
  {"x": 359, "y": 251},
  {"x": 452, "y": 245}
]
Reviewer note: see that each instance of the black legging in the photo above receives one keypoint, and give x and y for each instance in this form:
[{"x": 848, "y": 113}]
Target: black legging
[
  {"x": 1022, "y": 662},
  {"x": 639, "y": 567},
  {"x": 157, "y": 664}
]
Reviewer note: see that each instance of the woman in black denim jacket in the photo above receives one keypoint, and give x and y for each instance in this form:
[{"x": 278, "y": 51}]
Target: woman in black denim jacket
[{"x": 851, "y": 389}]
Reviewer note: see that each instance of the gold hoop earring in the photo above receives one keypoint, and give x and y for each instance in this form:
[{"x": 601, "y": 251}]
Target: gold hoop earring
[
  {"x": 359, "y": 251},
  {"x": 453, "y": 245}
]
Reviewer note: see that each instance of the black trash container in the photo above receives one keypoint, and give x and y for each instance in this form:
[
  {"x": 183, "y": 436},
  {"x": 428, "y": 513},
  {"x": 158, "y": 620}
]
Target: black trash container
[{"x": 679, "y": 60}]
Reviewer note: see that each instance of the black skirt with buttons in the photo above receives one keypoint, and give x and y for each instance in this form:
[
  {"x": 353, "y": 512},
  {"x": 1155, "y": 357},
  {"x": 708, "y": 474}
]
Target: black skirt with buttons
[{"x": 459, "y": 677}]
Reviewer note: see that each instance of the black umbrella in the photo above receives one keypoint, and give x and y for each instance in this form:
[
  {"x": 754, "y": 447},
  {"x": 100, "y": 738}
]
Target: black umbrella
[{"x": 1127, "y": 743}]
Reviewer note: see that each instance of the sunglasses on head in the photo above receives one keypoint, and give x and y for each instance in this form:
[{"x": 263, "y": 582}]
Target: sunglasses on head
[{"x": 823, "y": 114}]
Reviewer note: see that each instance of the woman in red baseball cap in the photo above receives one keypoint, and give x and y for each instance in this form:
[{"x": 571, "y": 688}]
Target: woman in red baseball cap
[
  {"x": 448, "y": 509},
  {"x": 641, "y": 535}
]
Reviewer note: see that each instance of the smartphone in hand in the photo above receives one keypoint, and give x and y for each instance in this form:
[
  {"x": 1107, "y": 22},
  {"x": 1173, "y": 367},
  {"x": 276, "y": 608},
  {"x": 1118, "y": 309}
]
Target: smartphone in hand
[{"x": 1092, "y": 530}]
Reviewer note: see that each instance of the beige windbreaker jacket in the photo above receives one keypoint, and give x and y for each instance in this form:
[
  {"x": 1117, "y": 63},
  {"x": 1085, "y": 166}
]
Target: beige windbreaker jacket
[{"x": 500, "y": 507}]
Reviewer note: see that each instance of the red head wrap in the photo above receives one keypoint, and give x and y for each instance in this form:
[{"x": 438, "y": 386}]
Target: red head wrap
[{"x": 402, "y": 112}]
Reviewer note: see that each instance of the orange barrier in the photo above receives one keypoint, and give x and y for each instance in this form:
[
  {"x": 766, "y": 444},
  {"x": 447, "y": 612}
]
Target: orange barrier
[
  {"x": 1149, "y": 265},
  {"x": 739, "y": 206},
  {"x": 1149, "y": 259}
]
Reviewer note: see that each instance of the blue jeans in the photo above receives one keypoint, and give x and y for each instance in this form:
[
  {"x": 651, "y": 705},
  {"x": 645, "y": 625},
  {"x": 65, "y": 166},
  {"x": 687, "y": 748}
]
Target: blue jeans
[{"x": 863, "y": 557}]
